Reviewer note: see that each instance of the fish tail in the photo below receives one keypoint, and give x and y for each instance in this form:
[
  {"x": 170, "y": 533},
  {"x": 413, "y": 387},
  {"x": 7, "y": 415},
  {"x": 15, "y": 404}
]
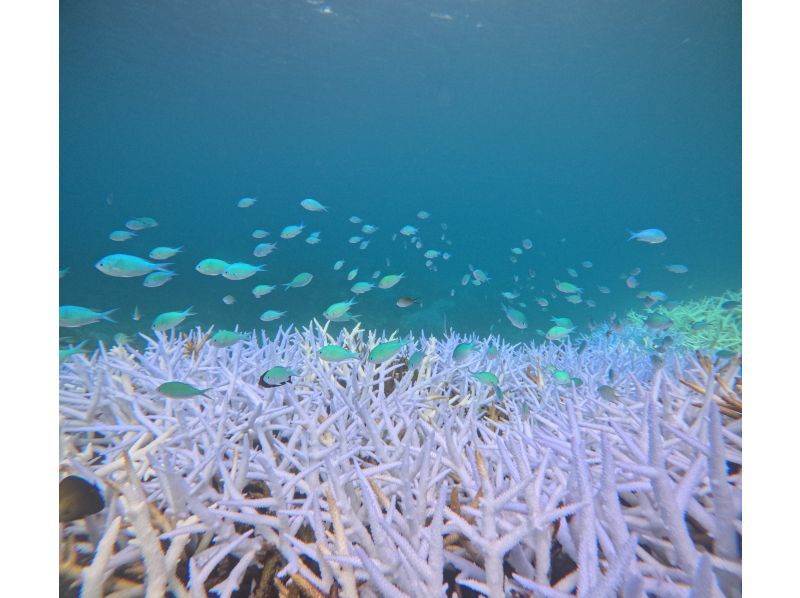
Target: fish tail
[
  {"x": 631, "y": 233},
  {"x": 498, "y": 392},
  {"x": 165, "y": 267},
  {"x": 188, "y": 311},
  {"x": 104, "y": 315}
]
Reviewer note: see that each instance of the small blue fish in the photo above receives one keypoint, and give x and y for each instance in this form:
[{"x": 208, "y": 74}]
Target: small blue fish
[
  {"x": 312, "y": 205},
  {"x": 128, "y": 266},
  {"x": 649, "y": 235}
]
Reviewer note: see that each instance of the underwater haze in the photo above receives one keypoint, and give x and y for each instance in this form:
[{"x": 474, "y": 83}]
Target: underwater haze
[{"x": 565, "y": 123}]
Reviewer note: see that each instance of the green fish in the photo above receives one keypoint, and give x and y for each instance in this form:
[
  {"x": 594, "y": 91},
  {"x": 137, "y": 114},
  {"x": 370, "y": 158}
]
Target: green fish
[
  {"x": 63, "y": 354},
  {"x": 181, "y": 390},
  {"x": 73, "y": 316},
  {"x": 338, "y": 310},
  {"x": 485, "y": 377},
  {"x": 492, "y": 352},
  {"x": 127, "y": 266},
  {"x": 463, "y": 351},
  {"x": 336, "y": 353},
  {"x": 415, "y": 360},
  {"x": 726, "y": 353},
  {"x": 211, "y": 266},
  {"x": 556, "y": 333},
  {"x": 561, "y": 377},
  {"x": 226, "y": 338},
  {"x": 658, "y": 322},
  {"x": 576, "y": 381},
  {"x": 171, "y": 319},
  {"x": 300, "y": 280},
  {"x": 388, "y": 281},
  {"x": 563, "y": 322},
  {"x": 360, "y": 288},
  {"x": 567, "y": 287},
  {"x": 276, "y": 376},
  {"x": 385, "y": 351},
  {"x": 516, "y": 317}
]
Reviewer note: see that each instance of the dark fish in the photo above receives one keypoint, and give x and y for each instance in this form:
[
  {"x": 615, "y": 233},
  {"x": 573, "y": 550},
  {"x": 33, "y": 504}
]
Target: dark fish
[
  {"x": 78, "y": 498},
  {"x": 264, "y": 384},
  {"x": 405, "y": 301},
  {"x": 658, "y": 322},
  {"x": 726, "y": 353},
  {"x": 607, "y": 392},
  {"x": 582, "y": 346},
  {"x": 729, "y": 305},
  {"x": 661, "y": 345},
  {"x": 699, "y": 325}
]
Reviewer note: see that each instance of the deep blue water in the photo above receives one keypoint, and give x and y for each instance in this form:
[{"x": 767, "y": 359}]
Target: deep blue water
[{"x": 565, "y": 122}]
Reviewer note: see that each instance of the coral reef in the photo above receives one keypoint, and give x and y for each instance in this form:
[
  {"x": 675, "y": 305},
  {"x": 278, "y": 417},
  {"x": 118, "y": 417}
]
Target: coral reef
[
  {"x": 703, "y": 324},
  {"x": 363, "y": 479}
]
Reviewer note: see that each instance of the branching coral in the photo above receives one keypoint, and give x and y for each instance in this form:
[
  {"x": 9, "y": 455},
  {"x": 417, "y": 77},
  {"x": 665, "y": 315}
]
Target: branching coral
[
  {"x": 362, "y": 479},
  {"x": 703, "y": 324}
]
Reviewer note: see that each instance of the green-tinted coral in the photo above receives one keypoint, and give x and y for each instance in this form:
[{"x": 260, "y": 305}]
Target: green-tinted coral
[{"x": 722, "y": 329}]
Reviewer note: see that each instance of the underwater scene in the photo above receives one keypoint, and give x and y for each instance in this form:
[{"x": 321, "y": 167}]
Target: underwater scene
[{"x": 400, "y": 298}]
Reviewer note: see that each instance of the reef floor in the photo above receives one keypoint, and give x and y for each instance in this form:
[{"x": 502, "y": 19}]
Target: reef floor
[{"x": 586, "y": 470}]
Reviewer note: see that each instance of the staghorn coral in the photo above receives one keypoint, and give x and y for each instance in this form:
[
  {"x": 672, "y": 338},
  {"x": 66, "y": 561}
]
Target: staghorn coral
[
  {"x": 375, "y": 480},
  {"x": 723, "y": 330}
]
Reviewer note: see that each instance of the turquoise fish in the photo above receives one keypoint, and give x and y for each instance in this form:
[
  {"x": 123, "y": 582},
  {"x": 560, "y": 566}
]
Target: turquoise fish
[
  {"x": 170, "y": 319},
  {"x": 336, "y": 353},
  {"x": 226, "y": 338},
  {"x": 127, "y": 266},
  {"x": 385, "y": 351},
  {"x": 181, "y": 390},
  {"x": 463, "y": 351},
  {"x": 276, "y": 376},
  {"x": 415, "y": 360},
  {"x": 73, "y": 316}
]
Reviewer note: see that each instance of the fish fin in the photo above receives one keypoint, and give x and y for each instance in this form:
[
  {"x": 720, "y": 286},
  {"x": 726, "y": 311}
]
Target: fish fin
[
  {"x": 164, "y": 267},
  {"x": 631, "y": 233},
  {"x": 188, "y": 311},
  {"x": 104, "y": 315}
]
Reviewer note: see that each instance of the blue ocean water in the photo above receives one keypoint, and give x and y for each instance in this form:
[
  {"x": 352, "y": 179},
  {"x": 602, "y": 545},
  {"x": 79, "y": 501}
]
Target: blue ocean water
[{"x": 563, "y": 122}]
